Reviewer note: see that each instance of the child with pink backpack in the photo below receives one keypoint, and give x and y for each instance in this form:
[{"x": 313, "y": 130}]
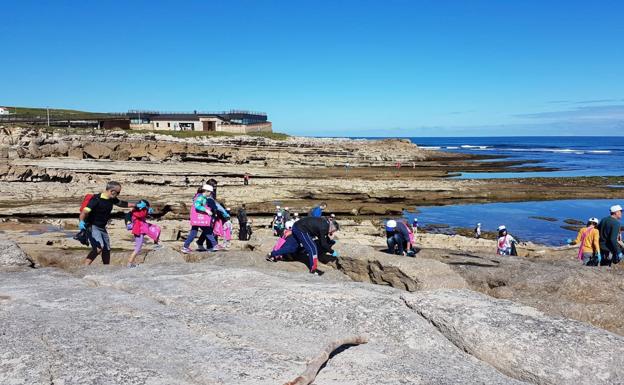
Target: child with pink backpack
[
  {"x": 140, "y": 228},
  {"x": 201, "y": 218}
]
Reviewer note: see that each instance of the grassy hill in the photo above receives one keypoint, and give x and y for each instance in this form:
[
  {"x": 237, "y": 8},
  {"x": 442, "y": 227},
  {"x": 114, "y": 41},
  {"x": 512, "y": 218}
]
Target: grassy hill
[{"x": 41, "y": 112}]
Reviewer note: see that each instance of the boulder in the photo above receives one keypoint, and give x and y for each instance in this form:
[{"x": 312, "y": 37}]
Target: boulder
[
  {"x": 4, "y": 152},
  {"x": 522, "y": 342},
  {"x": 122, "y": 155},
  {"x": 365, "y": 264},
  {"x": 164, "y": 255},
  {"x": 97, "y": 150},
  {"x": 76, "y": 153},
  {"x": 11, "y": 255}
]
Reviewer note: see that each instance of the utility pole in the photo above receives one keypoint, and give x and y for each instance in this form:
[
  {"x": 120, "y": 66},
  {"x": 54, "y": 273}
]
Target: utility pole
[{"x": 48, "y": 112}]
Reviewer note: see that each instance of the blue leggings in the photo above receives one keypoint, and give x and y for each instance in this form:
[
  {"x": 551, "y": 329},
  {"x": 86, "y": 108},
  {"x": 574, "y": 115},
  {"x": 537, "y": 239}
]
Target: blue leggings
[
  {"x": 205, "y": 235},
  {"x": 308, "y": 244}
]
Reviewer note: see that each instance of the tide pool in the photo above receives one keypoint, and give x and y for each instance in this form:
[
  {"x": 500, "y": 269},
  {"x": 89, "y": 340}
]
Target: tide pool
[{"x": 517, "y": 217}]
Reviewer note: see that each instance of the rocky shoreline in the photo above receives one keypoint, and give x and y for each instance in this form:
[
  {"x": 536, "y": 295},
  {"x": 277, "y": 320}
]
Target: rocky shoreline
[{"x": 456, "y": 313}]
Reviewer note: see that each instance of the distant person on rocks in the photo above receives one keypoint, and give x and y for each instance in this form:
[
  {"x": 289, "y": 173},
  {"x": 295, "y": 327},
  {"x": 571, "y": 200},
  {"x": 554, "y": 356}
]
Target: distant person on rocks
[
  {"x": 506, "y": 244},
  {"x": 94, "y": 217},
  {"x": 201, "y": 218},
  {"x": 278, "y": 224},
  {"x": 246, "y": 179},
  {"x": 609, "y": 229},
  {"x": 589, "y": 240},
  {"x": 186, "y": 181},
  {"x": 317, "y": 211},
  {"x": 249, "y": 228},
  {"x": 296, "y": 217},
  {"x": 242, "y": 223},
  {"x": 304, "y": 231},
  {"x": 227, "y": 231},
  {"x": 477, "y": 231},
  {"x": 415, "y": 226},
  {"x": 286, "y": 214}
]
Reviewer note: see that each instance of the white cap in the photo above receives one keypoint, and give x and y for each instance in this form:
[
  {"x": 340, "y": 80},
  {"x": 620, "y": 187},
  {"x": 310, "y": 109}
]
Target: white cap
[
  {"x": 478, "y": 224},
  {"x": 296, "y": 214},
  {"x": 594, "y": 220},
  {"x": 277, "y": 207},
  {"x": 615, "y": 209},
  {"x": 391, "y": 223},
  {"x": 208, "y": 187},
  {"x": 286, "y": 208},
  {"x": 279, "y": 214},
  {"x": 415, "y": 220},
  {"x": 332, "y": 215},
  {"x": 501, "y": 228},
  {"x": 290, "y": 224}
]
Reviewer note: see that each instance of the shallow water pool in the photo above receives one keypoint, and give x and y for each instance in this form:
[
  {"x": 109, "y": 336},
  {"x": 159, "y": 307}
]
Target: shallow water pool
[{"x": 516, "y": 216}]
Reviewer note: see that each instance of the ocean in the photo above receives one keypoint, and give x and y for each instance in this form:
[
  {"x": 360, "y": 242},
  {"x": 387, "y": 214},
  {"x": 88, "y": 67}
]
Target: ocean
[{"x": 571, "y": 156}]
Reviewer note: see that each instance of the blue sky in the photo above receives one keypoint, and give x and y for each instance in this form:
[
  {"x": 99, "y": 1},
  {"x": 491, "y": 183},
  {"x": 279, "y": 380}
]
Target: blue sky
[{"x": 353, "y": 68}]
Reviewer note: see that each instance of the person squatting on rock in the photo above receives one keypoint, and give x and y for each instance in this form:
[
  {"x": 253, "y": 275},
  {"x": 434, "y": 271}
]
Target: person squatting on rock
[
  {"x": 506, "y": 244},
  {"x": 286, "y": 240},
  {"x": 242, "y": 223},
  {"x": 589, "y": 240},
  {"x": 201, "y": 218},
  {"x": 304, "y": 231},
  {"x": 609, "y": 229},
  {"x": 94, "y": 217},
  {"x": 137, "y": 223},
  {"x": 399, "y": 237}
]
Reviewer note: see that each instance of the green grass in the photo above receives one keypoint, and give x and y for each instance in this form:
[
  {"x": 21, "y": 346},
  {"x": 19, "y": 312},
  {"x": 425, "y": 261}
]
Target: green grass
[
  {"x": 42, "y": 112},
  {"x": 196, "y": 134}
]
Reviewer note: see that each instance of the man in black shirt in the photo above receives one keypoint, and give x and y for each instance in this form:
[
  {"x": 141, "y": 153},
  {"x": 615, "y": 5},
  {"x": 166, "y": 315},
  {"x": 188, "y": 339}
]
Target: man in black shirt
[{"x": 95, "y": 216}]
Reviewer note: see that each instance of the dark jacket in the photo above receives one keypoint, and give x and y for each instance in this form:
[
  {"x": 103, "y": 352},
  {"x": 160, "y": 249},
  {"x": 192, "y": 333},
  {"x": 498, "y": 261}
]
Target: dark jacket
[
  {"x": 402, "y": 230},
  {"x": 609, "y": 229},
  {"x": 242, "y": 216},
  {"x": 100, "y": 209},
  {"x": 315, "y": 227}
]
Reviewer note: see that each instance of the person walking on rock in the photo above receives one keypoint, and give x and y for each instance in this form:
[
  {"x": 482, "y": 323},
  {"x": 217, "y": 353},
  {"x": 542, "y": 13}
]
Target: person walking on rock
[
  {"x": 95, "y": 216},
  {"x": 609, "y": 230},
  {"x": 242, "y": 223},
  {"x": 201, "y": 218},
  {"x": 140, "y": 228},
  {"x": 506, "y": 244},
  {"x": 589, "y": 240}
]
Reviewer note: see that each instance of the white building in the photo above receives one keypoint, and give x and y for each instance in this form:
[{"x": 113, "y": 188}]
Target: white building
[{"x": 4, "y": 110}]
